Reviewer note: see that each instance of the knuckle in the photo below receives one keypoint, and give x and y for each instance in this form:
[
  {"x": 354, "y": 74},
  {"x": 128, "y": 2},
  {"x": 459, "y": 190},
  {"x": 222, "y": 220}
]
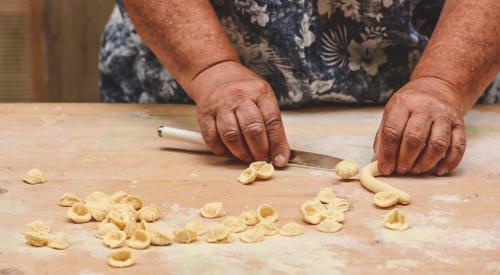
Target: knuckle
[
  {"x": 261, "y": 85},
  {"x": 459, "y": 147},
  {"x": 414, "y": 140},
  {"x": 230, "y": 136},
  {"x": 439, "y": 145},
  {"x": 390, "y": 134},
  {"x": 274, "y": 124},
  {"x": 254, "y": 129}
]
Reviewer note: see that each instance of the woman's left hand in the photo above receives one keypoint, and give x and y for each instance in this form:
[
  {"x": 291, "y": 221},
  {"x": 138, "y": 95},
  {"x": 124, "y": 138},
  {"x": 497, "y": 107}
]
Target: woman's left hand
[{"x": 422, "y": 129}]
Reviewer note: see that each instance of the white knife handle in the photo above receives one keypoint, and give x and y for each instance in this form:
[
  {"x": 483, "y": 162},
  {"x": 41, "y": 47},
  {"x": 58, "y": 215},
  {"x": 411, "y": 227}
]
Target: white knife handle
[{"x": 181, "y": 135}]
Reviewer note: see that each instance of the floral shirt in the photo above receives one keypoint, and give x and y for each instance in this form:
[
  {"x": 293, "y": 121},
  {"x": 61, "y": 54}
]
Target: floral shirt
[{"x": 310, "y": 51}]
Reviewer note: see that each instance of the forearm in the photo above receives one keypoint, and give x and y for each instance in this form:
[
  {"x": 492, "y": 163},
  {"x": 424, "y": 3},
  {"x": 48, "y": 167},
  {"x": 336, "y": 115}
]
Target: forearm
[
  {"x": 464, "y": 49},
  {"x": 186, "y": 36}
]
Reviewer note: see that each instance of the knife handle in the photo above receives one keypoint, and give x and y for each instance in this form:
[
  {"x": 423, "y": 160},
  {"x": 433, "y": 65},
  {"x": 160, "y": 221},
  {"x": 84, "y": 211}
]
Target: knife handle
[{"x": 180, "y": 135}]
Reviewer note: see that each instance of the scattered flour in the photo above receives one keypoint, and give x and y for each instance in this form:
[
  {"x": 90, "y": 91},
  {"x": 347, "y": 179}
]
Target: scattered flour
[
  {"x": 403, "y": 265},
  {"x": 449, "y": 198}
]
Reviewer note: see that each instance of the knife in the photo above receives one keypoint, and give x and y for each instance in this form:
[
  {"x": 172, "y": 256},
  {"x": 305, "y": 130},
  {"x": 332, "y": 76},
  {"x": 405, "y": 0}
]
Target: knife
[{"x": 297, "y": 157}]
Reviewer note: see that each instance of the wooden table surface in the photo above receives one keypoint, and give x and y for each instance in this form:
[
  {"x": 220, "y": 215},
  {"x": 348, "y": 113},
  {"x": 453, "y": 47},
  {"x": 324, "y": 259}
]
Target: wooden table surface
[{"x": 455, "y": 220}]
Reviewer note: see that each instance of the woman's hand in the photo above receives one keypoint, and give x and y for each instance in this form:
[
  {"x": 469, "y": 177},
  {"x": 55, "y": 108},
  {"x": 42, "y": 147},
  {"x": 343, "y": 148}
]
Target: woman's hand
[
  {"x": 422, "y": 128},
  {"x": 238, "y": 113}
]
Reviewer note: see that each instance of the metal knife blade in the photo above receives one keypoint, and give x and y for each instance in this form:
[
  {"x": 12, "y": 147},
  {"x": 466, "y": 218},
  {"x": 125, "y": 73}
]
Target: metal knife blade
[
  {"x": 312, "y": 160},
  {"x": 297, "y": 158}
]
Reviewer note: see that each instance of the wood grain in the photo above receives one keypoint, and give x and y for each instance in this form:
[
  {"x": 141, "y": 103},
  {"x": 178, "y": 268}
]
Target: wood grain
[{"x": 81, "y": 148}]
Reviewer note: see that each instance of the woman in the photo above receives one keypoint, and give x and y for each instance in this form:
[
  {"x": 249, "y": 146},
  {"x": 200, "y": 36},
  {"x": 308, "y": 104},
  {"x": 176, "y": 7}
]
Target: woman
[{"x": 240, "y": 60}]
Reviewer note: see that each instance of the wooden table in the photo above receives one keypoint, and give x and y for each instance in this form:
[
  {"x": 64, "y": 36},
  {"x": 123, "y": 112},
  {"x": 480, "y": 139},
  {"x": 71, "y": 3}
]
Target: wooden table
[{"x": 455, "y": 220}]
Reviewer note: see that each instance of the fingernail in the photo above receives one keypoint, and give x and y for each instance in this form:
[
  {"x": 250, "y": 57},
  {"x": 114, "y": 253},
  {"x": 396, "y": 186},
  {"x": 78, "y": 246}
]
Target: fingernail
[
  {"x": 402, "y": 170},
  {"x": 442, "y": 172},
  {"x": 386, "y": 169},
  {"x": 279, "y": 160}
]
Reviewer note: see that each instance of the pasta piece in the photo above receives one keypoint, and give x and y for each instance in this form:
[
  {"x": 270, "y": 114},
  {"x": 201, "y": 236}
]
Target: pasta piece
[
  {"x": 385, "y": 199},
  {"x": 185, "y": 235},
  {"x": 120, "y": 214},
  {"x": 130, "y": 228},
  {"x": 235, "y": 224},
  {"x": 79, "y": 213},
  {"x": 396, "y": 220},
  {"x": 159, "y": 238},
  {"x": 346, "y": 169},
  {"x": 119, "y": 197},
  {"x": 267, "y": 227},
  {"x": 368, "y": 180},
  {"x": 252, "y": 236},
  {"x": 339, "y": 203},
  {"x": 99, "y": 211},
  {"x": 36, "y": 239},
  {"x": 325, "y": 195},
  {"x": 114, "y": 239},
  {"x": 250, "y": 217},
  {"x": 248, "y": 175},
  {"x": 98, "y": 197},
  {"x": 34, "y": 176},
  {"x": 58, "y": 241},
  {"x": 103, "y": 228},
  {"x": 333, "y": 213},
  {"x": 144, "y": 225},
  {"x": 329, "y": 226},
  {"x": 120, "y": 258},
  {"x": 38, "y": 227},
  {"x": 219, "y": 234},
  {"x": 291, "y": 229},
  {"x": 198, "y": 227},
  {"x": 68, "y": 200},
  {"x": 149, "y": 213},
  {"x": 135, "y": 201},
  {"x": 213, "y": 210},
  {"x": 139, "y": 240},
  {"x": 264, "y": 170},
  {"x": 311, "y": 211},
  {"x": 266, "y": 211}
]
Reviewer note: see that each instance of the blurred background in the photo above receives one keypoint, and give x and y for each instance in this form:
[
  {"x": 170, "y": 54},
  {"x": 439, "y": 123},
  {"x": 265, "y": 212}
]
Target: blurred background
[{"x": 49, "y": 49}]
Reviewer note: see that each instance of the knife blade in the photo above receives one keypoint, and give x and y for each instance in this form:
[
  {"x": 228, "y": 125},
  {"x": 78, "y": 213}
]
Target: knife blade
[{"x": 297, "y": 157}]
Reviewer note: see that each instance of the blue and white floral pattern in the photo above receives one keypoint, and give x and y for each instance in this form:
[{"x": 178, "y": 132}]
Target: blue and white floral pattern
[{"x": 310, "y": 51}]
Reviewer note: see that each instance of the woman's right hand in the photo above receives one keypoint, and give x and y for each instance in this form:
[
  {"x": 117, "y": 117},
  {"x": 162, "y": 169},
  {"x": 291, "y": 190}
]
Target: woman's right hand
[{"x": 238, "y": 114}]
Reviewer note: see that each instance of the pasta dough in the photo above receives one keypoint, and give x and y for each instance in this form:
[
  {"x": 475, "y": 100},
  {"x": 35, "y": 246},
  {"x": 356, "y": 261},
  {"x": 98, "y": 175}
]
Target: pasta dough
[
  {"x": 135, "y": 201},
  {"x": 36, "y": 239},
  {"x": 267, "y": 227},
  {"x": 114, "y": 239},
  {"x": 149, "y": 213},
  {"x": 385, "y": 199},
  {"x": 99, "y": 211},
  {"x": 34, "y": 176},
  {"x": 103, "y": 228},
  {"x": 311, "y": 211},
  {"x": 248, "y": 175},
  {"x": 98, "y": 197},
  {"x": 235, "y": 224},
  {"x": 79, "y": 213},
  {"x": 339, "y": 204},
  {"x": 58, "y": 241},
  {"x": 346, "y": 169},
  {"x": 219, "y": 234},
  {"x": 329, "y": 226},
  {"x": 159, "y": 238},
  {"x": 263, "y": 169},
  {"x": 368, "y": 180},
  {"x": 325, "y": 195},
  {"x": 120, "y": 258},
  {"x": 396, "y": 220},
  {"x": 266, "y": 211},
  {"x": 291, "y": 229},
  {"x": 185, "y": 235},
  {"x": 197, "y": 226},
  {"x": 333, "y": 213},
  {"x": 139, "y": 240},
  {"x": 250, "y": 217},
  {"x": 252, "y": 236},
  {"x": 120, "y": 214},
  {"x": 38, "y": 227},
  {"x": 130, "y": 228},
  {"x": 119, "y": 197},
  {"x": 68, "y": 200},
  {"x": 213, "y": 210}
]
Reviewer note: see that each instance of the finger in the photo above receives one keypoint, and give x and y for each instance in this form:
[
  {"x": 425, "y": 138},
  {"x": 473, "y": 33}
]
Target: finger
[
  {"x": 229, "y": 131},
  {"x": 210, "y": 135},
  {"x": 439, "y": 141},
  {"x": 455, "y": 151},
  {"x": 279, "y": 150},
  {"x": 253, "y": 128},
  {"x": 390, "y": 134},
  {"x": 414, "y": 138}
]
